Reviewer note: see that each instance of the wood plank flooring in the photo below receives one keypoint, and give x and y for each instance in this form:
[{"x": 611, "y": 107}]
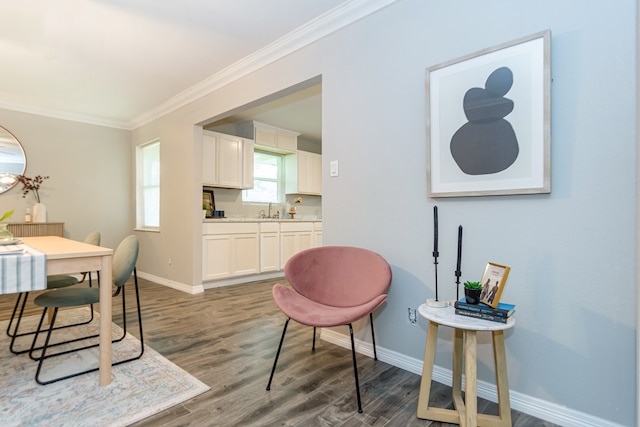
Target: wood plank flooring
[{"x": 227, "y": 337}]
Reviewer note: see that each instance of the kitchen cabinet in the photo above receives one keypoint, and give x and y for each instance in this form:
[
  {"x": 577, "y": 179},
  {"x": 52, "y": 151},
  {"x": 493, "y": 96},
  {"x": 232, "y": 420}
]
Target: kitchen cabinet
[
  {"x": 247, "y": 163},
  {"x": 229, "y": 250},
  {"x": 303, "y": 173},
  {"x": 240, "y": 251},
  {"x": 295, "y": 237},
  {"x": 269, "y": 246},
  {"x": 317, "y": 234},
  {"x": 270, "y": 137},
  {"x": 227, "y": 161}
]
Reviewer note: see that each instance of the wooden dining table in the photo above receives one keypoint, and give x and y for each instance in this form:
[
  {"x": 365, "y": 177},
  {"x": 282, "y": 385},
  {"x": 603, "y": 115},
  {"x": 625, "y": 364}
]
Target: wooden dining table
[{"x": 66, "y": 256}]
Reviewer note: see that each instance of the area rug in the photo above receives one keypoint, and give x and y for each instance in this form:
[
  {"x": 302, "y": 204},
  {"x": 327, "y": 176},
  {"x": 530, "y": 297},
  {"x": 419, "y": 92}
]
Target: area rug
[{"x": 138, "y": 389}]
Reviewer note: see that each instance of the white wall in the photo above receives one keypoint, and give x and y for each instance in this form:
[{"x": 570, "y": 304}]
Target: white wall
[
  {"x": 572, "y": 252},
  {"x": 90, "y": 175}
]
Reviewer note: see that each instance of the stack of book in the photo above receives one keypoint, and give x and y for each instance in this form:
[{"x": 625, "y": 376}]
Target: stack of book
[{"x": 482, "y": 311}]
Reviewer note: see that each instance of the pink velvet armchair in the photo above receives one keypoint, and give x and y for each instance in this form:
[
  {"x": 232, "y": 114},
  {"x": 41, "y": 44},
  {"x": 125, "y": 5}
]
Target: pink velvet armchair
[{"x": 332, "y": 286}]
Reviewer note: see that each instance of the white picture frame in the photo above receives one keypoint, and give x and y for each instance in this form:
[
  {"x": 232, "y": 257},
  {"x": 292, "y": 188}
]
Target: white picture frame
[{"x": 470, "y": 148}]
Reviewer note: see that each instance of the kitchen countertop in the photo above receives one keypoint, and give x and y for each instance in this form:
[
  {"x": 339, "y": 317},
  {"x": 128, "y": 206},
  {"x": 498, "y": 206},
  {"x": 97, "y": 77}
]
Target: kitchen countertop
[{"x": 245, "y": 219}]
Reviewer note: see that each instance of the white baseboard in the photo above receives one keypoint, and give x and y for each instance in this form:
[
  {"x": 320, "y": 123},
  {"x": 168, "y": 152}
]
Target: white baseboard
[
  {"x": 242, "y": 279},
  {"x": 170, "y": 283},
  {"x": 208, "y": 285},
  {"x": 526, "y": 404}
]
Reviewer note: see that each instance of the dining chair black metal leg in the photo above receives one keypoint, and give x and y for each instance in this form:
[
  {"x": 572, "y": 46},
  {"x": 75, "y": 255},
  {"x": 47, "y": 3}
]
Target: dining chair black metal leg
[
  {"x": 13, "y": 313},
  {"x": 275, "y": 362},
  {"x": 22, "y": 297},
  {"x": 139, "y": 355},
  {"x": 15, "y": 333},
  {"x": 47, "y": 346},
  {"x": 44, "y": 346},
  {"x": 355, "y": 368}
]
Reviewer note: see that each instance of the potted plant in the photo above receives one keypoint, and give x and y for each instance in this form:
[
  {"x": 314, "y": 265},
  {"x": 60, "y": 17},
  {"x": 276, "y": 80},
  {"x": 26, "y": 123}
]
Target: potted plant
[
  {"x": 5, "y": 234},
  {"x": 472, "y": 292}
]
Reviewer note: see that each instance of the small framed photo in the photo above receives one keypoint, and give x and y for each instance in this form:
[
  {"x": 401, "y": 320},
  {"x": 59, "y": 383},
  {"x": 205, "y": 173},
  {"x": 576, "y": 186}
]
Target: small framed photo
[
  {"x": 207, "y": 202},
  {"x": 493, "y": 281}
]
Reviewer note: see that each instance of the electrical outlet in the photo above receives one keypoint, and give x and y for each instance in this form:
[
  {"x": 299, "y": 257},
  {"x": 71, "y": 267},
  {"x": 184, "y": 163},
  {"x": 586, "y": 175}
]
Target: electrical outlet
[
  {"x": 170, "y": 261},
  {"x": 413, "y": 316}
]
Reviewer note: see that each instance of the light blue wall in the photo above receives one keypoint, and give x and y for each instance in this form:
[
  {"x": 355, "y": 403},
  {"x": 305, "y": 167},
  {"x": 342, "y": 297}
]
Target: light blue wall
[
  {"x": 572, "y": 252},
  {"x": 89, "y": 169}
]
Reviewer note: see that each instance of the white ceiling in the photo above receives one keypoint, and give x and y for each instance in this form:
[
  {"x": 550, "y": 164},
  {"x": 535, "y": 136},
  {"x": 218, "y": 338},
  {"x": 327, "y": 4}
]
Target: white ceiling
[{"x": 113, "y": 62}]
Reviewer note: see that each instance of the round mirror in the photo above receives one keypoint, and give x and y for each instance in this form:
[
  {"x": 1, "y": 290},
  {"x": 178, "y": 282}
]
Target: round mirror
[{"x": 12, "y": 160}]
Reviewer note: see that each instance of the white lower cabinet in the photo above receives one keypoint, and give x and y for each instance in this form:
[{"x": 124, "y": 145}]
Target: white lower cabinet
[
  {"x": 234, "y": 249},
  {"x": 294, "y": 237},
  {"x": 269, "y": 247},
  {"x": 317, "y": 234},
  {"x": 229, "y": 250}
]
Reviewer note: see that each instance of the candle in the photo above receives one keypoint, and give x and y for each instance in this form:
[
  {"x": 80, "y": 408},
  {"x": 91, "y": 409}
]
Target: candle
[
  {"x": 459, "y": 249},
  {"x": 435, "y": 231}
]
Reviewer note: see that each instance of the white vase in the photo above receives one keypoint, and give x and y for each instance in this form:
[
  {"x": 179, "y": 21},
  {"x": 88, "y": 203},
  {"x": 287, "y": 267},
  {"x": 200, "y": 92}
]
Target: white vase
[{"x": 39, "y": 213}]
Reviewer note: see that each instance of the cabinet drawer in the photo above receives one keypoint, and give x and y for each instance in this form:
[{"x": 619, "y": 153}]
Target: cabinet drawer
[
  {"x": 230, "y": 228},
  {"x": 296, "y": 226},
  {"x": 269, "y": 227}
]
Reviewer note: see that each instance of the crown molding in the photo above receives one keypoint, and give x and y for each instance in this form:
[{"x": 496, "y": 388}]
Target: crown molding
[
  {"x": 63, "y": 115},
  {"x": 331, "y": 21}
]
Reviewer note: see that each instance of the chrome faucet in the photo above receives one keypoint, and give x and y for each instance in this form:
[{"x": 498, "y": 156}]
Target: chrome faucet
[
  {"x": 269, "y": 210},
  {"x": 261, "y": 214}
]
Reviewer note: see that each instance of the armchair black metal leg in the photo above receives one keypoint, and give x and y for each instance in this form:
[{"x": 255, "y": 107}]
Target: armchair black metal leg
[
  {"x": 355, "y": 368},
  {"x": 275, "y": 362},
  {"x": 373, "y": 338},
  {"x": 313, "y": 346}
]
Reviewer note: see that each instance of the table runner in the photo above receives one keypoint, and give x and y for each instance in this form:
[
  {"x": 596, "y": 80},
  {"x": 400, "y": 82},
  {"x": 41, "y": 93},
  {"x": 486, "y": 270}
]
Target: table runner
[{"x": 22, "y": 269}]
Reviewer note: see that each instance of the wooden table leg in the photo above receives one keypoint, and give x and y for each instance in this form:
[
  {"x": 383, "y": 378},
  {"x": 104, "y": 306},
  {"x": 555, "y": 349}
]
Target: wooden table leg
[
  {"x": 105, "y": 320},
  {"x": 456, "y": 386},
  {"x": 500, "y": 363},
  {"x": 470, "y": 375},
  {"x": 427, "y": 370}
]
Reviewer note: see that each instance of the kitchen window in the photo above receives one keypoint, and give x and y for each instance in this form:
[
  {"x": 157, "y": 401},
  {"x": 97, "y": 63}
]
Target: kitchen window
[
  {"x": 268, "y": 179},
  {"x": 148, "y": 186}
]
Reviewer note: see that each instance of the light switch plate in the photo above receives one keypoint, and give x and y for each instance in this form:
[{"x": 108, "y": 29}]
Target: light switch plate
[{"x": 334, "y": 168}]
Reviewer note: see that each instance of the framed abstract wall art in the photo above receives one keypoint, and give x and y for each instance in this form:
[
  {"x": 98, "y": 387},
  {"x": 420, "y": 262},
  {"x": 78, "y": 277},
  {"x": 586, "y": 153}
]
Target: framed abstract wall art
[{"x": 488, "y": 121}]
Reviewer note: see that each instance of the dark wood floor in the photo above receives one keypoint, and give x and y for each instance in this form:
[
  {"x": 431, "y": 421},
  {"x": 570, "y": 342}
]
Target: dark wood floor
[{"x": 227, "y": 337}]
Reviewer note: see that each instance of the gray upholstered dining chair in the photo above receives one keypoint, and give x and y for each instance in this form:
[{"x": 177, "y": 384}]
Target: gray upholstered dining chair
[
  {"x": 54, "y": 281},
  {"x": 123, "y": 266}
]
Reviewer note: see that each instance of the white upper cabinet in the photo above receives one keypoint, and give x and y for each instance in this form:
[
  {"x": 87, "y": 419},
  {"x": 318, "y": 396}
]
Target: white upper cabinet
[
  {"x": 270, "y": 137},
  {"x": 303, "y": 173},
  {"x": 227, "y": 161}
]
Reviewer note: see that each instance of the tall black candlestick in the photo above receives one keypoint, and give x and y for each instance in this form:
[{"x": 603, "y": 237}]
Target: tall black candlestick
[
  {"x": 435, "y": 231},
  {"x": 435, "y": 245},
  {"x": 459, "y": 249},
  {"x": 458, "y": 264}
]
